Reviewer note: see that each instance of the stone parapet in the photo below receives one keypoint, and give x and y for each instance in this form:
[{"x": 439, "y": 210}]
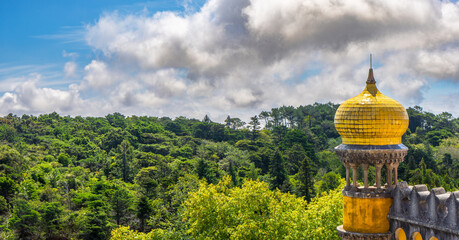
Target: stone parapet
[{"x": 431, "y": 213}]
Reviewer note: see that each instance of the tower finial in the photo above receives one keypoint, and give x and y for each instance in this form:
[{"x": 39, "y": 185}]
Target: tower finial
[
  {"x": 371, "y": 78},
  {"x": 371, "y": 65}
]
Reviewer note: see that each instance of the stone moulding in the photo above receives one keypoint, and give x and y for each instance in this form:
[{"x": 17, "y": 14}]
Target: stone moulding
[
  {"x": 346, "y": 235},
  {"x": 370, "y": 193},
  {"x": 371, "y": 154}
]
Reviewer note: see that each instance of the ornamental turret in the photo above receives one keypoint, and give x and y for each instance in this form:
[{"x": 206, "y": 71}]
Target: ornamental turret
[{"x": 371, "y": 126}]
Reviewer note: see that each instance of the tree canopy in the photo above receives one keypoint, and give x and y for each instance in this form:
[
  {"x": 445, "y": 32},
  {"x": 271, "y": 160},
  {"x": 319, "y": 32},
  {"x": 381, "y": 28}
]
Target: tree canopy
[{"x": 64, "y": 177}]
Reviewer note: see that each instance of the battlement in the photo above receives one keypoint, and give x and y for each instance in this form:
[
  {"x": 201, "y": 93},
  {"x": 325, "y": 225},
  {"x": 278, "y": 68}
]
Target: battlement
[{"x": 432, "y": 214}]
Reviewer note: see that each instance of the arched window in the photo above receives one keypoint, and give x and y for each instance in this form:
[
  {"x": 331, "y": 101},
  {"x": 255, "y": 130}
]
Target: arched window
[
  {"x": 400, "y": 234},
  {"x": 433, "y": 238}
]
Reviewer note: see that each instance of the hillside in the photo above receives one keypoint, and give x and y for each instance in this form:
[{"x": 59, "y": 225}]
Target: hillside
[{"x": 65, "y": 177}]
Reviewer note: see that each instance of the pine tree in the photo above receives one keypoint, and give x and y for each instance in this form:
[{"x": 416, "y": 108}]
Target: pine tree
[
  {"x": 204, "y": 170},
  {"x": 228, "y": 122},
  {"x": 125, "y": 153},
  {"x": 207, "y": 119},
  {"x": 144, "y": 211},
  {"x": 277, "y": 170},
  {"x": 120, "y": 202},
  {"x": 255, "y": 125},
  {"x": 306, "y": 186},
  {"x": 294, "y": 158},
  {"x": 233, "y": 173},
  {"x": 410, "y": 166}
]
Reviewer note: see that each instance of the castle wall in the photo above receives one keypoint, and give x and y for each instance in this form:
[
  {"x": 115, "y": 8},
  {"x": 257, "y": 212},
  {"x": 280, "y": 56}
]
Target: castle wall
[{"x": 430, "y": 213}]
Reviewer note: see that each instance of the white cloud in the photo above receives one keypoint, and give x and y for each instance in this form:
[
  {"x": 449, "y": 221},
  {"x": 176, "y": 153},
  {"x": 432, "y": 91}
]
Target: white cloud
[
  {"x": 239, "y": 57},
  {"x": 244, "y": 54},
  {"x": 438, "y": 64},
  {"x": 70, "y": 69},
  {"x": 165, "y": 83},
  {"x": 98, "y": 76},
  {"x": 28, "y": 98},
  {"x": 70, "y": 54}
]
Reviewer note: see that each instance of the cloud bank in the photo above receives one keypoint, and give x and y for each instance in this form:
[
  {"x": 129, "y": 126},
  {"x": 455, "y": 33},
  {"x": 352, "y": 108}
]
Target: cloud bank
[{"x": 239, "y": 57}]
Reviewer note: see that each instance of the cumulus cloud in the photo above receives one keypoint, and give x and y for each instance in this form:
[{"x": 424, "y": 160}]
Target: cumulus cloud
[
  {"x": 70, "y": 69},
  {"x": 28, "y": 98},
  {"x": 255, "y": 54},
  {"x": 438, "y": 64},
  {"x": 239, "y": 57},
  {"x": 98, "y": 76},
  {"x": 166, "y": 83}
]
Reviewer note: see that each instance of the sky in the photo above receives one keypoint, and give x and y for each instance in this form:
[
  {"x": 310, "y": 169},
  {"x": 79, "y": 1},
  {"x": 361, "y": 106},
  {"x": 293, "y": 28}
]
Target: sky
[{"x": 223, "y": 57}]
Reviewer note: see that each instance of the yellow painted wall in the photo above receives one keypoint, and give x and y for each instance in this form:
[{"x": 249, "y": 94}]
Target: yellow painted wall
[{"x": 366, "y": 215}]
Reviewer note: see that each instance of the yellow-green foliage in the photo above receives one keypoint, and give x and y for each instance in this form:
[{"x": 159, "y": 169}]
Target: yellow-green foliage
[
  {"x": 252, "y": 212},
  {"x": 324, "y": 214},
  {"x": 255, "y": 212},
  {"x": 125, "y": 233}
]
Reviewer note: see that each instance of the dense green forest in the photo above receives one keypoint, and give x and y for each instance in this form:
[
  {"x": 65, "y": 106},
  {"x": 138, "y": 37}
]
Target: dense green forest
[{"x": 119, "y": 177}]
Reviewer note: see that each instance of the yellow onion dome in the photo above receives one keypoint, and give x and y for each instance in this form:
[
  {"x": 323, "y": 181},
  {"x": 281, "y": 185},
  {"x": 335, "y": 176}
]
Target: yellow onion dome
[{"x": 371, "y": 118}]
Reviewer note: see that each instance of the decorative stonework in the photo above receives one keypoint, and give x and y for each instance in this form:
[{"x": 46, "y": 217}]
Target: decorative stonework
[
  {"x": 346, "y": 235},
  {"x": 352, "y": 156},
  {"x": 371, "y": 192},
  {"x": 373, "y": 155}
]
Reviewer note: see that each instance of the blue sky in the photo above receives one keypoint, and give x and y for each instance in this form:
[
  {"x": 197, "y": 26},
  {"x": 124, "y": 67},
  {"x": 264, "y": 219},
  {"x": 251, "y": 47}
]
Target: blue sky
[
  {"x": 222, "y": 57},
  {"x": 37, "y": 34},
  {"x": 36, "y": 31}
]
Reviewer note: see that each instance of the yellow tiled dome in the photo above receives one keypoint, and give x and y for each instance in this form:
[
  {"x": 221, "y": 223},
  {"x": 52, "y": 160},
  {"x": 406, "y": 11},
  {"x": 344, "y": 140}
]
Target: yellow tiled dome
[{"x": 371, "y": 118}]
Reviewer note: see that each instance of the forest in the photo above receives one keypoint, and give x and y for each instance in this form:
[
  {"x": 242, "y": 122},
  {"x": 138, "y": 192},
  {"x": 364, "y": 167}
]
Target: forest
[{"x": 141, "y": 177}]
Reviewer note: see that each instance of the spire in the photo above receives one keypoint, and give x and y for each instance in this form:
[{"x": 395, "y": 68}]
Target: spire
[{"x": 371, "y": 78}]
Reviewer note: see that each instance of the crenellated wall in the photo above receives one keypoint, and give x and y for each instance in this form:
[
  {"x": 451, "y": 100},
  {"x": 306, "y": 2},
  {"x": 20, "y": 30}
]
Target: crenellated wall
[{"x": 430, "y": 214}]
